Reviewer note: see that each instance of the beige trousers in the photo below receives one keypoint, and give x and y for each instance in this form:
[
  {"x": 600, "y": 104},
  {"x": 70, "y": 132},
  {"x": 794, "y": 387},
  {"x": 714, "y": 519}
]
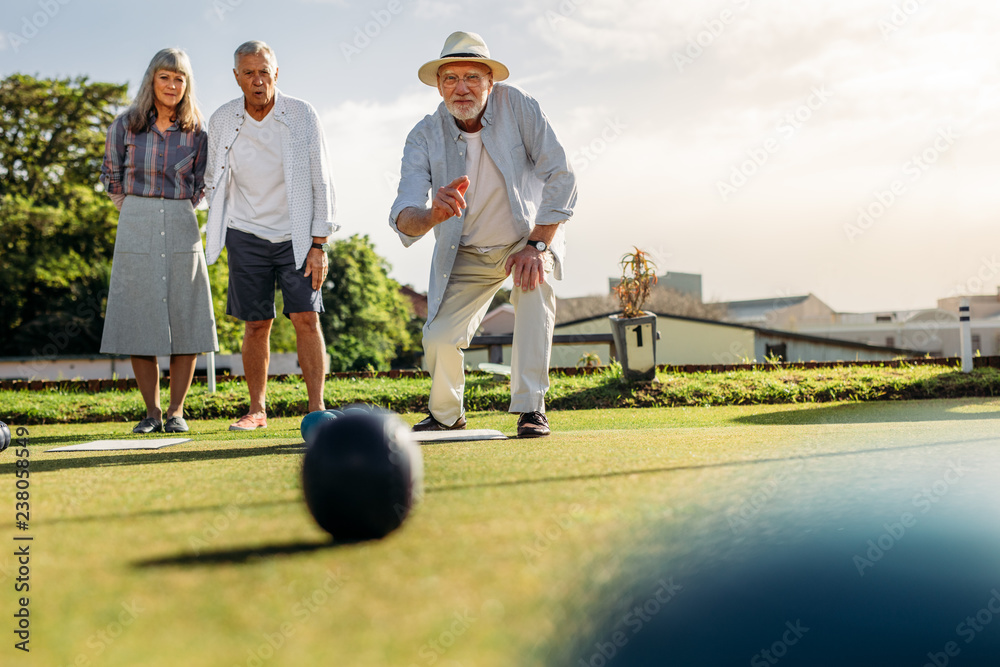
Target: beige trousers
[{"x": 475, "y": 278}]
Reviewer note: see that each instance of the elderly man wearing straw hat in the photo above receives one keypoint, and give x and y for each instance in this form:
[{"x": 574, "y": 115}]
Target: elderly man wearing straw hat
[{"x": 501, "y": 188}]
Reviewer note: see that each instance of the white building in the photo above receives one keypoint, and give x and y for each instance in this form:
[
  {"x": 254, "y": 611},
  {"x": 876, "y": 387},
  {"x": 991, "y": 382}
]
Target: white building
[
  {"x": 694, "y": 341},
  {"x": 933, "y": 330},
  {"x": 112, "y": 367}
]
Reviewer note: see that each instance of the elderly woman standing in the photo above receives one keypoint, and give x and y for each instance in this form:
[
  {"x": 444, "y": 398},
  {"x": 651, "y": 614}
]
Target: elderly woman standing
[{"x": 159, "y": 300}]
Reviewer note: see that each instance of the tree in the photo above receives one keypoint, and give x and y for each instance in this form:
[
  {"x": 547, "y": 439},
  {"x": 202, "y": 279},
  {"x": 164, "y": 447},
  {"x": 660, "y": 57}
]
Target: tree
[
  {"x": 52, "y": 134},
  {"x": 56, "y": 230},
  {"x": 366, "y": 323}
]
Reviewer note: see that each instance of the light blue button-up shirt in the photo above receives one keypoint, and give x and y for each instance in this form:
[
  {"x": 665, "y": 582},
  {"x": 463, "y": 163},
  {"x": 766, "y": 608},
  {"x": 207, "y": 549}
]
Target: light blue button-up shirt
[{"x": 516, "y": 134}]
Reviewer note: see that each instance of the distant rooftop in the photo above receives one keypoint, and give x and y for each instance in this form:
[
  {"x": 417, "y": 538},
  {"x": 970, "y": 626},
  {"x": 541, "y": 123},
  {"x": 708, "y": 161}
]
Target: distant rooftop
[
  {"x": 756, "y": 310},
  {"x": 685, "y": 283}
]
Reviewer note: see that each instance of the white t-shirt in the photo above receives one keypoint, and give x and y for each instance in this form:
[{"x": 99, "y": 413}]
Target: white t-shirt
[
  {"x": 489, "y": 222},
  {"x": 257, "y": 201}
]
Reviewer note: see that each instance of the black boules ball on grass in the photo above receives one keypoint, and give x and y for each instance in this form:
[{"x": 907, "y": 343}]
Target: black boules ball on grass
[
  {"x": 362, "y": 474},
  {"x": 4, "y": 436}
]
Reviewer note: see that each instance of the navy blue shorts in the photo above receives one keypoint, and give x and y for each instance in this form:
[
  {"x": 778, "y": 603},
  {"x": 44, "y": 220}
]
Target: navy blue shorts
[{"x": 255, "y": 266}]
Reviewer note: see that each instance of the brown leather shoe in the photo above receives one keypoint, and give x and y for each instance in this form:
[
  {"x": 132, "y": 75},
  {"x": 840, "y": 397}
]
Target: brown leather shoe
[
  {"x": 532, "y": 425},
  {"x": 431, "y": 424}
]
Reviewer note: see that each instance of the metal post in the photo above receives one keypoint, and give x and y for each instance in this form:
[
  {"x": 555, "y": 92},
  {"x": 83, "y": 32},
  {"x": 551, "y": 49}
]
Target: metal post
[{"x": 965, "y": 323}]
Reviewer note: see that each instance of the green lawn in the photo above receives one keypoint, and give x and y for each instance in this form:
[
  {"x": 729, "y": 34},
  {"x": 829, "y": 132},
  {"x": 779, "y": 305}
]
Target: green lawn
[
  {"x": 204, "y": 554},
  {"x": 484, "y": 392}
]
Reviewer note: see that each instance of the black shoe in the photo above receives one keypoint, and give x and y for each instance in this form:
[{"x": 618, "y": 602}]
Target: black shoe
[
  {"x": 148, "y": 425},
  {"x": 431, "y": 424},
  {"x": 175, "y": 425},
  {"x": 532, "y": 425}
]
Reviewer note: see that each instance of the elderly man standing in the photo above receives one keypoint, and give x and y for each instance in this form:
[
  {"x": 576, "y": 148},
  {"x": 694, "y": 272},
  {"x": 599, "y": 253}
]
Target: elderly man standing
[
  {"x": 272, "y": 206},
  {"x": 502, "y": 189}
]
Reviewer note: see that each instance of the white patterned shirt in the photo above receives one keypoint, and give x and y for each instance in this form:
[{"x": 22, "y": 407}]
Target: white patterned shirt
[{"x": 311, "y": 200}]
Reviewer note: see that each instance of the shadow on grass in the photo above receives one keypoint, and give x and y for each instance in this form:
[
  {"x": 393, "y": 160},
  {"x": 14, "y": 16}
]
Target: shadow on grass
[
  {"x": 73, "y": 439},
  {"x": 867, "y": 413},
  {"x": 133, "y": 457},
  {"x": 56, "y": 440},
  {"x": 164, "y": 512},
  {"x": 247, "y": 556},
  {"x": 700, "y": 466}
]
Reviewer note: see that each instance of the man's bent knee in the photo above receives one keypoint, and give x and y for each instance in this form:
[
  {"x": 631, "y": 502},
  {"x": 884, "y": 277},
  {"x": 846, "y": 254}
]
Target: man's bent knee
[
  {"x": 442, "y": 339},
  {"x": 439, "y": 334}
]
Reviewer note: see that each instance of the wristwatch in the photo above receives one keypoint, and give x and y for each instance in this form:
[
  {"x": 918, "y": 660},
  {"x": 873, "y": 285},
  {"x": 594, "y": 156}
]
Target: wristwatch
[
  {"x": 540, "y": 246},
  {"x": 319, "y": 246}
]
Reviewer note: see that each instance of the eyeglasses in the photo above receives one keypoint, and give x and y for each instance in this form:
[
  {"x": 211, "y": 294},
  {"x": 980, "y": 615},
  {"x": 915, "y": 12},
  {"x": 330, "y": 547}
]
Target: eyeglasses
[{"x": 471, "y": 80}]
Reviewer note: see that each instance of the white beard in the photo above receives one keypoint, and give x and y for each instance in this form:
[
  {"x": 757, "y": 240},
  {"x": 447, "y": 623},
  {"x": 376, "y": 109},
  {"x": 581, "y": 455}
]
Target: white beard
[{"x": 470, "y": 114}]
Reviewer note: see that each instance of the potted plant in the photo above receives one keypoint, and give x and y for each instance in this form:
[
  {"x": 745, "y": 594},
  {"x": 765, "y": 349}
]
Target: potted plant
[{"x": 634, "y": 330}]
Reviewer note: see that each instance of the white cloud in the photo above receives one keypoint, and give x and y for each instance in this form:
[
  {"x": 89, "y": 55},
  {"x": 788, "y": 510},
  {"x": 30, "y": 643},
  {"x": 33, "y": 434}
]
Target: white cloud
[
  {"x": 601, "y": 35},
  {"x": 365, "y": 141},
  {"x": 651, "y": 140},
  {"x": 439, "y": 9}
]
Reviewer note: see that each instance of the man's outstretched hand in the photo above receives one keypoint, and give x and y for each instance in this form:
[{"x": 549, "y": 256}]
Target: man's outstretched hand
[{"x": 449, "y": 200}]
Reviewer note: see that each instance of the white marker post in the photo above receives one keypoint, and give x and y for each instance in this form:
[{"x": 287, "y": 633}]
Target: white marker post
[
  {"x": 965, "y": 325},
  {"x": 211, "y": 372}
]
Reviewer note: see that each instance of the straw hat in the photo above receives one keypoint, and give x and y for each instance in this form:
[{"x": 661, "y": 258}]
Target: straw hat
[{"x": 462, "y": 47}]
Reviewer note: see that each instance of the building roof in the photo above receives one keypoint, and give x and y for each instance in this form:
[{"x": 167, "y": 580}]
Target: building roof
[
  {"x": 757, "y": 309},
  {"x": 498, "y": 320},
  {"x": 791, "y": 335},
  {"x": 685, "y": 283},
  {"x": 661, "y": 299},
  {"x": 418, "y": 300}
]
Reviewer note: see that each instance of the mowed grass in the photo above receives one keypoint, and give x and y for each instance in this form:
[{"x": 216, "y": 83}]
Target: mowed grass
[
  {"x": 73, "y": 402},
  {"x": 204, "y": 553}
]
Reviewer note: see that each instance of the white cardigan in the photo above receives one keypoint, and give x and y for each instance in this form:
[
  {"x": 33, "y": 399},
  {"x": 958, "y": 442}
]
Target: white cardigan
[{"x": 311, "y": 200}]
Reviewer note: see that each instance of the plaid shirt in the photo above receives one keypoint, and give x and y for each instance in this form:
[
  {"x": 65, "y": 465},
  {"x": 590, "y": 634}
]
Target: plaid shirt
[{"x": 170, "y": 164}]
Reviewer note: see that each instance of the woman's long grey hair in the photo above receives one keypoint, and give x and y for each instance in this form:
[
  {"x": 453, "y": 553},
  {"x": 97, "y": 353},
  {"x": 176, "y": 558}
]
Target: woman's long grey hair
[{"x": 187, "y": 113}]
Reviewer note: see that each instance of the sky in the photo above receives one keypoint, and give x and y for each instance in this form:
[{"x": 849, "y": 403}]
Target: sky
[{"x": 846, "y": 148}]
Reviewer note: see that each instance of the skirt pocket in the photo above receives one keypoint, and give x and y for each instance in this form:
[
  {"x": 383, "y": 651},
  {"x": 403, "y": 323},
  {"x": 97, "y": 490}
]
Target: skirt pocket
[{"x": 135, "y": 230}]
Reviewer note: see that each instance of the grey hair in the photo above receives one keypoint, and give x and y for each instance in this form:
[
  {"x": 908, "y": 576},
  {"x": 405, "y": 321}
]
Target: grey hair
[
  {"x": 187, "y": 113},
  {"x": 252, "y": 48}
]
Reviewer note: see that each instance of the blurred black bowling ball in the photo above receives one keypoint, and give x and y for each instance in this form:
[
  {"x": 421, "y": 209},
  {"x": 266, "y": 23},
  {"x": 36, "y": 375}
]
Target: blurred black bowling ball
[{"x": 362, "y": 475}]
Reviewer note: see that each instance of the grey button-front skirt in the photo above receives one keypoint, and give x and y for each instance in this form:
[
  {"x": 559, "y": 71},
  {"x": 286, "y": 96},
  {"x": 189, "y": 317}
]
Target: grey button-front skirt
[{"x": 159, "y": 300}]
